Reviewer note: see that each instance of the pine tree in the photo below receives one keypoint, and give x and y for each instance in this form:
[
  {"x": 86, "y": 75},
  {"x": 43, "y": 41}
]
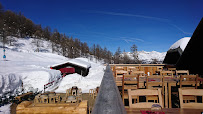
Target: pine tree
[
  {"x": 134, "y": 53},
  {"x": 117, "y": 56}
]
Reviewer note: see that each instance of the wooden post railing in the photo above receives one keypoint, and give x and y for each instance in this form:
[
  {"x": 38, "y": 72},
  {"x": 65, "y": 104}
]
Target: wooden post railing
[{"x": 108, "y": 100}]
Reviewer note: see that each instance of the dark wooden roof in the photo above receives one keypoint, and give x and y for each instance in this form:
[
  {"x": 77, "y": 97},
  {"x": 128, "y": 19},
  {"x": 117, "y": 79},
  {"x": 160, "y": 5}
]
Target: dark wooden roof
[{"x": 192, "y": 58}]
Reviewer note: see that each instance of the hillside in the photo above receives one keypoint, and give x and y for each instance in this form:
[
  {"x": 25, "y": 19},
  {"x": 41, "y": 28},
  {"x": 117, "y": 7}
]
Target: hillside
[
  {"x": 28, "y": 61},
  {"x": 24, "y": 65}
]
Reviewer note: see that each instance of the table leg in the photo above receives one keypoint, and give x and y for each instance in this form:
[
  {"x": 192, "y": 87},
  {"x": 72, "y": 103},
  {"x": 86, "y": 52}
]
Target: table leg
[
  {"x": 166, "y": 95},
  {"x": 169, "y": 95}
]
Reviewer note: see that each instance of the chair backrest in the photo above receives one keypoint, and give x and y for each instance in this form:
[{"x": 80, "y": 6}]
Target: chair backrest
[
  {"x": 188, "y": 80},
  {"x": 140, "y": 73},
  {"x": 154, "y": 80},
  {"x": 159, "y": 68},
  {"x": 178, "y": 72},
  {"x": 172, "y": 69},
  {"x": 131, "y": 69},
  {"x": 120, "y": 73},
  {"x": 119, "y": 68},
  {"x": 144, "y": 92},
  {"x": 166, "y": 73},
  {"x": 191, "y": 92},
  {"x": 129, "y": 82}
]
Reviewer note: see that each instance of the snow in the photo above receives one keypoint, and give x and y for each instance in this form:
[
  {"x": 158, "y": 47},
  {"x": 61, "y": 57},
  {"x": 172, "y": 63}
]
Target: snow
[
  {"x": 5, "y": 109},
  {"x": 76, "y": 61},
  {"x": 24, "y": 65},
  {"x": 149, "y": 56},
  {"x": 30, "y": 68},
  {"x": 80, "y": 63},
  {"x": 182, "y": 43}
]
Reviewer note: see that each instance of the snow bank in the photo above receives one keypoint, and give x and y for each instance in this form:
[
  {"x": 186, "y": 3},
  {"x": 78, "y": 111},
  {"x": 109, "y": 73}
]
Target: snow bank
[
  {"x": 9, "y": 83},
  {"x": 5, "y": 109},
  {"x": 31, "y": 68},
  {"x": 182, "y": 43}
]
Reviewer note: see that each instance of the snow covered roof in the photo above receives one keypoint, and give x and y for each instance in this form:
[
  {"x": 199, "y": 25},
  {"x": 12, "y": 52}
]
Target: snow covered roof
[
  {"x": 80, "y": 63},
  {"x": 182, "y": 43},
  {"x": 76, "y": 61}
]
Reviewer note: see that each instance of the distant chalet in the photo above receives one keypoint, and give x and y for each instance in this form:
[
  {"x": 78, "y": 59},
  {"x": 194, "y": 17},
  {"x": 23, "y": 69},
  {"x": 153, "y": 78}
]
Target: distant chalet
[{"x": 81, "y": 67}]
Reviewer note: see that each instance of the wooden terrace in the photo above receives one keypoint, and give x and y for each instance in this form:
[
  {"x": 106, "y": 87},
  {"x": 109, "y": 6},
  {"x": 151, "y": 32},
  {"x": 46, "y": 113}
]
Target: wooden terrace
[{"x": 136, "y": 88}]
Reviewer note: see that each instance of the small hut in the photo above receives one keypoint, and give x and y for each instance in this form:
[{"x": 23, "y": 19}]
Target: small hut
[{"x": 81, "y": 67}]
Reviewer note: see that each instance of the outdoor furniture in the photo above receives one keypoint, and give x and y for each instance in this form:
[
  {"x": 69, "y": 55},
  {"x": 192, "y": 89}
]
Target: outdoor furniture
[
  {"x": 52, "y": 98},
  {"x": 71, "y": 99},
  {"x": 129, "y": 82},
  {"x": 131, "y": 69},
  {"x": 194, "y": 92},
  {"x": 37, "y": 99},
  {"x": 68, "y": 91},
  {"x": 119, "y": 73},
  {"x": 166, "y": 73},
  {"x": 144, "y": 92},
  {"x": 172, "y": 69},
  {"x": 44, "y": 98},
  {"x": 165, "y": 110},
  {"x": 188, "y": 80},
  {"x": 152, "y": 82},
  {"x": 191, "y": 81},
  {"x": 139, "y": 73},
  {"x": 91, "y": 91},
  {"x": 57, "y": 98},
  {"x": 181, "y": 72}
]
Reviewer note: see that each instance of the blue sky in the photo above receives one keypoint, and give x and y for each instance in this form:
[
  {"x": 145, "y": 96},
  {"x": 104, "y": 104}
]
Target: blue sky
[{"x": 153, "y": 25}]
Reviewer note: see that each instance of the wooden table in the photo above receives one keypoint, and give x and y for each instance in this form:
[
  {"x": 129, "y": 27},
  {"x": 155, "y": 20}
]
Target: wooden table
[{"x": 167, "y": 111}]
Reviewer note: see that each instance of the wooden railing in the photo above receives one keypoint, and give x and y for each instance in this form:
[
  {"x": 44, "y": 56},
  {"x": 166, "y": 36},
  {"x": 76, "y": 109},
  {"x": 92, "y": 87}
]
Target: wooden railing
[{"x": 109, "y": 99}]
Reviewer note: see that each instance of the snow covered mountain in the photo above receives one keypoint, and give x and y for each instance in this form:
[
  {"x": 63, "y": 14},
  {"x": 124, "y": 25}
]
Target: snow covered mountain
[{"x": 148, "y": 57}]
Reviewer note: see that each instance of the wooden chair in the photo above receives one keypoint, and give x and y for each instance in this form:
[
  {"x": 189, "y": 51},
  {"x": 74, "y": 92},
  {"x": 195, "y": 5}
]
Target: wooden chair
[
  {"x": 188, "y": 80},
  {"x": 167, "y": 73},
  {"x": 153, "y": 82},
  {"x": 191, "y": 81},
  {"x": 131, "y": 69},
  {"x": 37, "y": 99},
  {"x": 159, "y": 69},
  {"x": 129, "y": 82},
  {"x": 194, "y": 92},
  {"x": 140, "y": 73},
  {"x": 119, "y": 68},
  {"x": 119, "y": 73},
  {"x": 144, "y": 92},
  {"x": 172, "y": 69},
  {"x": 178, "y": 72}
]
